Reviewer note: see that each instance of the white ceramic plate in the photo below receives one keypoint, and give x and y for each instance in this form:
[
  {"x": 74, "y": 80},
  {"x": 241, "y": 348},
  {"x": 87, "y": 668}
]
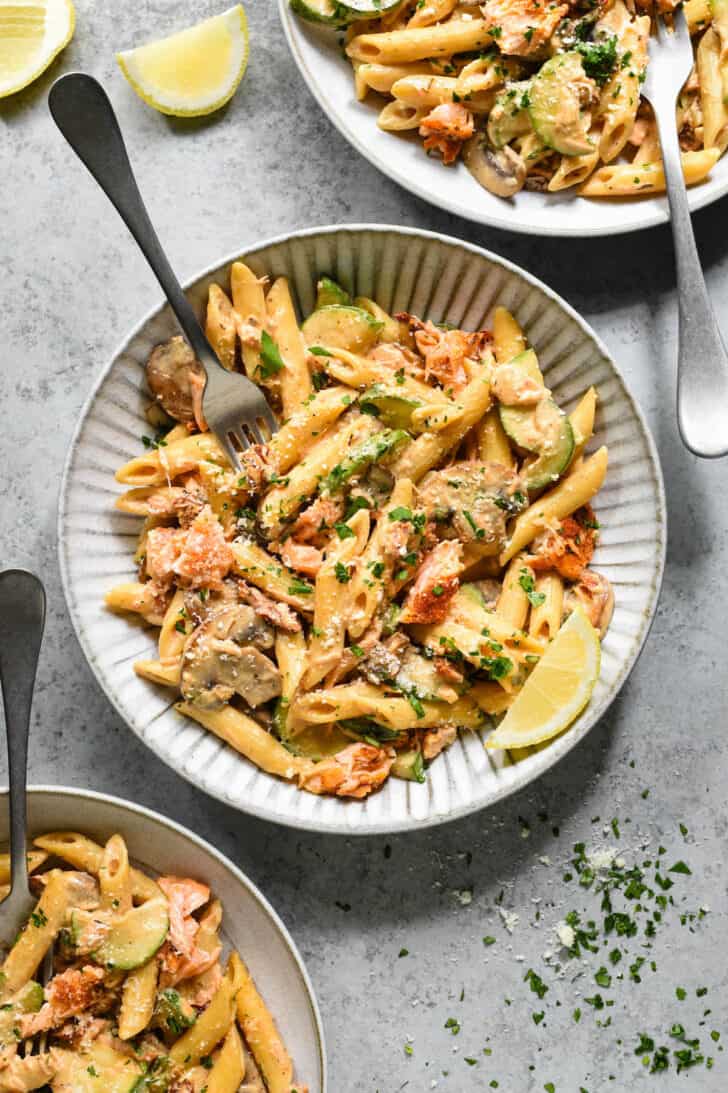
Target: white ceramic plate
[
  {"x": 329, "y": 76},
  {"x": 432, "y": 276},
  {"x": 250, "y": 924}
]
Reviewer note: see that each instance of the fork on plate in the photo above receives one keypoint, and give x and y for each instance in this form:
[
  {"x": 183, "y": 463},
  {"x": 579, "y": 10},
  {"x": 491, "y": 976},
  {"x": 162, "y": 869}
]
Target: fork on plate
[
  {"x": 702, "y": 384},
  {"x": 235, "y": 409}
]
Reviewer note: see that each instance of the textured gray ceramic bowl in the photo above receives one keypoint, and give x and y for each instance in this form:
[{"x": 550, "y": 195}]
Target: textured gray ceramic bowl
[
  {"x": 250, "y": 924},
  {"x": 433, "y": 276}
]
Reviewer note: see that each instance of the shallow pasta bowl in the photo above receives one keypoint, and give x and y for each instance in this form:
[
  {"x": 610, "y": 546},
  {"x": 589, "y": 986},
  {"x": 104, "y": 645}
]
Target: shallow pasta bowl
[
  {"x": 250, "y": 924},
  {"x": 330, "y": 79},
  {"x": 432, "y": 276}
]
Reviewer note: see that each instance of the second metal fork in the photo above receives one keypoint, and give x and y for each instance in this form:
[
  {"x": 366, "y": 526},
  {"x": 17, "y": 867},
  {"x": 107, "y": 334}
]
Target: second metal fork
[
  {"x": 234, "y": 408},
  {"x": 702, "y": 385}
]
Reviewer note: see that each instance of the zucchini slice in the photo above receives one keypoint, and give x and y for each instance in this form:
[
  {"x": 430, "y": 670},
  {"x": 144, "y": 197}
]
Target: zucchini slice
[
  {"x": 136, "y": 936},
  {"x": 99, "y": 1069},
  {"x": 28, "y": 1000},
  {"x": 328, "y": 12},
  {"x": 335, "y": 14},
  {"x": 342, "y": 327},
  {"x": 509, "y": 117},
  {"x": 369, "y": 9},
  {"x": 329, "y": 293},
  {"x": 546, "y": 431},
  {"x": 410, "y": 766},
  {"x": 555, "y": 105},
  {"x": 374, "y": 449},
  {"x": 527, "y": 361},
  {"x": 392, "y": 406}
]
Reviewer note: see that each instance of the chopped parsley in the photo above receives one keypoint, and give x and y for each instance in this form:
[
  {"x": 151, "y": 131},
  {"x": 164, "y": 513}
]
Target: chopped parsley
[
  {"x": 527, "y": 583},
  {"x": 599, "y": 58},
  {"x": 271, "y": 361},
  {"x": 298, "y": 587}
]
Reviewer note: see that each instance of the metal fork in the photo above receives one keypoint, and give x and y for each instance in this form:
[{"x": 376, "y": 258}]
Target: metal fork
[
  {"x": 702, "y": 374},
  {"x": 22, "y": 610},
  {"x": 234, "y": 408}
]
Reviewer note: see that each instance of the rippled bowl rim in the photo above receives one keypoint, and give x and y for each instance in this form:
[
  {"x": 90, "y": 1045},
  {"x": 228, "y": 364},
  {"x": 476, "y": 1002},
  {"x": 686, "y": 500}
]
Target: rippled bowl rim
[
  {"x": 545, "y": 759},
  {"x": 153, "y": 817},
  {"x": 705, "y": 193}
]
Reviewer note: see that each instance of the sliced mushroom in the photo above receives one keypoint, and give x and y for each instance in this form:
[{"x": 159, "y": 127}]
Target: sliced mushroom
[
  {"x": 175, "y": 378},
  {"x": 223, "y": 657},
  {"x": 472, "y": 500},
  {"x": 229, "y": 620},
  {"x": 214, "y": 670},
  {"x": 501, "y": 171},
  {"x": 201, "y": 605}
]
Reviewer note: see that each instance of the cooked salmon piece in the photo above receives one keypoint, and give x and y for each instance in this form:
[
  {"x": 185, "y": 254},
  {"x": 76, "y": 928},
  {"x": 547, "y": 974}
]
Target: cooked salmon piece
[
  {"x": 302, "y": 557},
  {"x": 436, "y": 740},
  {"x": 68, "y": 994},
  {"x": 353, "y": 772},
  {"x": 436, "y": 582},
  {"x": 446, "y": 128},
  {"x": 205, "y": 556},
  {"x": 513, "y": 387},
  {"x": 313, "y": 524},
  {"x": 445, "y": 351},
  {"x": 162, "y": 548},
  {"x": 30, "y": 1072},
  {"x": 277, "y": 614},
  {"x": 522, "y": 27},
  {"x": 568, "y": 548},
  {"x": 181, "y": 957},
  {"x": 594, "y": 593}
]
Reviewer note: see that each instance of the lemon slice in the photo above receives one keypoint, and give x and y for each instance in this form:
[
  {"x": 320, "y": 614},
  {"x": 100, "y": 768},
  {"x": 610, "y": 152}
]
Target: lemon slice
[
  {"x": 193, "y": 72},
  {"x": 557, "y": 690},
  {"x": 32, "y": 33}
]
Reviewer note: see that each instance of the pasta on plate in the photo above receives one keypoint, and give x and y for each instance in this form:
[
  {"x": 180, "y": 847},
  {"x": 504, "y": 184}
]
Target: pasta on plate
[
  {"x": 390, "y": 565},
  {"x": 532, "y": 95},
  {"x": 139, "y": 996}
]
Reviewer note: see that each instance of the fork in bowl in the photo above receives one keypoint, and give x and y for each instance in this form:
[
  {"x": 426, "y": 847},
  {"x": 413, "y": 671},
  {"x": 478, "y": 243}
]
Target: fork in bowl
[
  {"x": 702, "y": 388},
  {"x": 235, "y": 409},
  {"x": 22, "y": 609}
]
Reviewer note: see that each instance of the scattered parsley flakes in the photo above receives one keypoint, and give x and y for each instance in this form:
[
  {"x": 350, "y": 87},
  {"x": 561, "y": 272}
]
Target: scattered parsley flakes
[
  {"x": 271, "y": 361},
  {"x": 527, "y": 583},
  {"x": 342, "y": 573},
  {"x": 681, "y": 867},
  {"x": 536, "y": 983}
]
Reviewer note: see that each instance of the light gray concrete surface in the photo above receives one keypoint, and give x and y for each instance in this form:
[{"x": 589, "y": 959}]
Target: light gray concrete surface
[{"x": 71, "y": 286}]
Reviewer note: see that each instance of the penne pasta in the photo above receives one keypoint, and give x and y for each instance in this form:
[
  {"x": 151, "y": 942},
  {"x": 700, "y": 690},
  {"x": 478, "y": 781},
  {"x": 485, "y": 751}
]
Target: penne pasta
[
  {"x": 247, "y": 737},
  {"x": 295, "y": 378},
  {"x": 249, "y": 303},
  {"x": 575, "y": 490},
  {"x": 220, "y": 327},
  {"x": 418, "y": 43},
  {"x": 648, "y": 178}
]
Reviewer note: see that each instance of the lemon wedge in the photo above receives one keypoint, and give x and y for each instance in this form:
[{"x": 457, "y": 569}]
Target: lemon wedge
[
  {"x": 557, "y": 690},
  {"x": 193, "y": 72},
  {"x": 32, "y": 34}
]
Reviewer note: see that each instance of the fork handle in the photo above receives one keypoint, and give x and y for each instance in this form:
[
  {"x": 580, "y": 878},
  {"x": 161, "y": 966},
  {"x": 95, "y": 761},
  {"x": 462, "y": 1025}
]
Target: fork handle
[
  {"x": 702, "y": 363},
  {"x": 82, "y": 111},
  {"x": 22, "y": 610}
]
